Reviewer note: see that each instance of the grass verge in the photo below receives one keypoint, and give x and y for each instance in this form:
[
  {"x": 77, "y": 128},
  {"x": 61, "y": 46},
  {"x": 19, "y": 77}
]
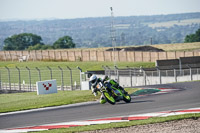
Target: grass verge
[
  {"x": 85, "y": 66},
  {"x": 123, "y": 124},
  {"x": 30, "y": 100}
]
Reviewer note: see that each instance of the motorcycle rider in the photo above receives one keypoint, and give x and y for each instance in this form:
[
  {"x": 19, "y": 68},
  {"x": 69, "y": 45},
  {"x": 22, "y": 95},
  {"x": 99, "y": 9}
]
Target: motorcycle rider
[{"x": 110, "y": 84}]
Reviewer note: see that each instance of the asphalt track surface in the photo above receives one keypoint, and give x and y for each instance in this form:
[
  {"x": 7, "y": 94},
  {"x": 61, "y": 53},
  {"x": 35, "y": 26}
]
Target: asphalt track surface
[{"x": 188, "y": 97}]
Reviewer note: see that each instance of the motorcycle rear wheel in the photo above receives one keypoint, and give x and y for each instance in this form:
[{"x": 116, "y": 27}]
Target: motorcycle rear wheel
[{"x": 109, "y": 98}]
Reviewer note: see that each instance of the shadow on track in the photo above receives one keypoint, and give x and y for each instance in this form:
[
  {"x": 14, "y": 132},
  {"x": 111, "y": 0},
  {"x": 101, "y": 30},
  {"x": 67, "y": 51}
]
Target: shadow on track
[{"x": 144, "y": 101}]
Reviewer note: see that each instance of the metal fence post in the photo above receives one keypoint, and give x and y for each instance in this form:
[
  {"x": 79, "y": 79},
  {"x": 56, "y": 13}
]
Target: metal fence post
[
  {"x": 117, "y": 73},
  {"x": 144, "y": 76},
  {"x": 19, "y": 78},
  {"x": 8, "y": 76},
  {"x": 130, "y": 73},
  {"x": 62, "y": 83},
  {"x": 39, "y": 74},
  {"x": 50, "y": 71},
  {"x": 71, "y": 82},
  {"x": 29, "y": 74},
  {"x": 105, "y": 70},
  {"x": 159, "y": 74},
  {"x": 109, "y": 71},
  {"x": 175, "y": 75},
  {"x": 180, "y": 67},
  {"x": 80, "y": 77},
  {"x": 135, "y": 72},
  {"x": 160, "y": 77},
  {"x": 191, "y": 78}
]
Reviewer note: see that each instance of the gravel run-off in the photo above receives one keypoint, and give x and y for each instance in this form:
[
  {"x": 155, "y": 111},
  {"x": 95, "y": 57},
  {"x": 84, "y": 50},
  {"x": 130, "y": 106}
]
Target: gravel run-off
[{"x": 177, "y": 126}]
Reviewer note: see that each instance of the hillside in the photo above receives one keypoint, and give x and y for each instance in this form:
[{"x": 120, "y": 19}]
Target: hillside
[{"x": 95, "y": 32}]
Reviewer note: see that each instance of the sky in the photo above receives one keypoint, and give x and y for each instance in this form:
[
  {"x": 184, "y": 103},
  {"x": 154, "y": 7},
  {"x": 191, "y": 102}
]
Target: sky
[{"x": 68, "y": 9}]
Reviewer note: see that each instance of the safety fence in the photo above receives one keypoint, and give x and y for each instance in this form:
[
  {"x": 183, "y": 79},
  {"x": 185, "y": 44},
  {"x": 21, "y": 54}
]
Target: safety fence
[
  {"x": 24, "y": 79},
  {"x": 129, "y": 77}
]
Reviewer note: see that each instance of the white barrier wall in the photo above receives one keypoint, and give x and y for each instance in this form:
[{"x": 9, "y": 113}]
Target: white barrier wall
[
  {"x": 85, "y": 85},
  {"x": 129, "y": 81},
  {"x": 46, "y": 87}
]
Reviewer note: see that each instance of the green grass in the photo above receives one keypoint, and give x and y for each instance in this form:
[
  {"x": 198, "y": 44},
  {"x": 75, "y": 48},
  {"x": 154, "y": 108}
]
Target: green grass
[
  {"x": 85, "y": 66},
  {"x": 45, "y": 73},
  {"x": 123, "y": 124},
  {"x": 30, "y": 100}
]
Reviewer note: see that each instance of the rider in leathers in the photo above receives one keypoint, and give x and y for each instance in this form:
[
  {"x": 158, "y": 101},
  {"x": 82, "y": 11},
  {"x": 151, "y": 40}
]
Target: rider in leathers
[{"x": 110, "y": 84}]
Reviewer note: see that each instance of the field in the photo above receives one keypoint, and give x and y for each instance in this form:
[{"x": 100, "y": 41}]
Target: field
[
  {"x": 176, "y": 46},
  {"x": 166, "y": 24},
  {"x": 179, "y": 46},
  {"x": 85, "y": 66},
  {"x": 172, "y": 23},
  {"x": 165, "y": 47}
]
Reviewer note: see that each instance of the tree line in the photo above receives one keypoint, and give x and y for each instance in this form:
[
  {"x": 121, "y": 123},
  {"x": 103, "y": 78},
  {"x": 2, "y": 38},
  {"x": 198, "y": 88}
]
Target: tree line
[
  {"x": 193, "y": 37},
  {"x": 95, "y": 32},
  {"x": 29, "y": 41}
]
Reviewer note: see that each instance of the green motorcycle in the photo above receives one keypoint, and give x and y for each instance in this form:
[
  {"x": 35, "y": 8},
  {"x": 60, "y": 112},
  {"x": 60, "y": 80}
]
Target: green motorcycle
[{"x": 114, "y": 95}]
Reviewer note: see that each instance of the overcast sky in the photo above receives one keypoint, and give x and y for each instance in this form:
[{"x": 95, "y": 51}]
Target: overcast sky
[{"x": 67, "y": 9}]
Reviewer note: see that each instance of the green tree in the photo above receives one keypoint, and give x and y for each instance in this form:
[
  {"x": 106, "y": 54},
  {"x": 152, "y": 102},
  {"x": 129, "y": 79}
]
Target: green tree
[
  {"x": 21, "y": 41},
  {"x": 40, "y": 47},
  {"x": 193, "y": 37},
  {"x": 64, "y": 42}
]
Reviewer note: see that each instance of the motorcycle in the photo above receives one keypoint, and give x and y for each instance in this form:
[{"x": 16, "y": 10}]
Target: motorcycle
[{"x": 114, "y": 95}]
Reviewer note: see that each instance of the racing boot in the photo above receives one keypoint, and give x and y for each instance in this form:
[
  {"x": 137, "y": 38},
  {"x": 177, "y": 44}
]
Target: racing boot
[{"x": 123, "y": 91}]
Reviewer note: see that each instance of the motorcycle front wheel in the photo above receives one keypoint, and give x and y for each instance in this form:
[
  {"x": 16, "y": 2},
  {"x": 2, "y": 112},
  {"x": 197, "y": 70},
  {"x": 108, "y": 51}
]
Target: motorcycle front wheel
[
  {"x": 127, "y": 98},
  {"x": 108, "y": 98}
]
